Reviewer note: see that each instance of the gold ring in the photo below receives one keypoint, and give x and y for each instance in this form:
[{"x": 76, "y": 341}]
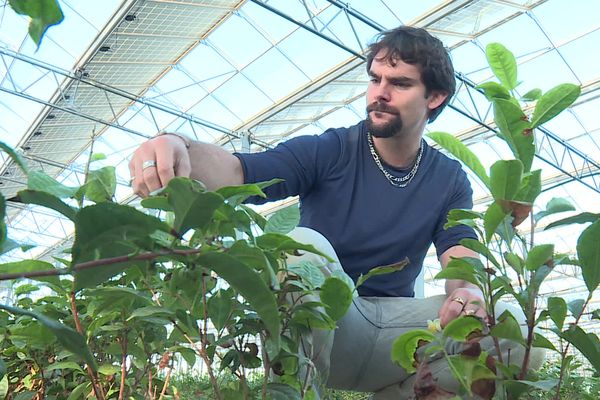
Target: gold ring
[
  {"x": 148, "y": 164},
  {"x": 459, "y": 300},
  {"x": 469, "y": 312}
]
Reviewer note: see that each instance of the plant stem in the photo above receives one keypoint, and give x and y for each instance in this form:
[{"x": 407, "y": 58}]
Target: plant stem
[
  {"x": 123, "y": 365},
  {"x": 165, "y": 385},
  {"x": 564, "y": 351},
  {"x": 529, "y": 344},
  {"x": 203, "y": 339},
  {"x": 98, "y": 263},
  {"x": 91, "y": 373},
  {"x": 266, "y": 366}
]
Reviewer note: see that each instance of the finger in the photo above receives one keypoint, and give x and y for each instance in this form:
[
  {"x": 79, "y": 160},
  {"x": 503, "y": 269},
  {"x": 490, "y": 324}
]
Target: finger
[
  {"x": 165, "y": 162},
  {"x": 450, "y": 310},
  {"x": 139, "y": 183},
  {"x": 183, "y": 167}
]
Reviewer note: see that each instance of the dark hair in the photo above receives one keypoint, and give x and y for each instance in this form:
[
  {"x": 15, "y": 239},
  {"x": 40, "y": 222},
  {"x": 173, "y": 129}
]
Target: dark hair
[{"x": 417, "y": 46}]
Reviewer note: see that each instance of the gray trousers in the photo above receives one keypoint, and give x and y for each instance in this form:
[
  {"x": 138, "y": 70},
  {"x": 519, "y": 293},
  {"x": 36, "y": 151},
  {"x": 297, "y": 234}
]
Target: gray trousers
[{"x": 357, "y": 355}]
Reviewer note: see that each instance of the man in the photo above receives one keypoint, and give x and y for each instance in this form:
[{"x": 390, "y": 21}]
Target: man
[{"x": 375, "y": 191}]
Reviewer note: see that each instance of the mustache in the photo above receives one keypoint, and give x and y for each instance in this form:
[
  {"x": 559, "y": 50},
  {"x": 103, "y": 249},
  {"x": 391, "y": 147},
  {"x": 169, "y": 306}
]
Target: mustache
[{"x": 381, "y": 107}]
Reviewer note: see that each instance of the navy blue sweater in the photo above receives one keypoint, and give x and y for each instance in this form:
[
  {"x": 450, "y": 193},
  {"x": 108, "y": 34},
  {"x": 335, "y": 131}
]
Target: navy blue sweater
[{"x": 369, "y": 222}]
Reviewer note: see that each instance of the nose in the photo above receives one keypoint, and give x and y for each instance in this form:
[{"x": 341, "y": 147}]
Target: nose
[{"x": 382, "y": 92}]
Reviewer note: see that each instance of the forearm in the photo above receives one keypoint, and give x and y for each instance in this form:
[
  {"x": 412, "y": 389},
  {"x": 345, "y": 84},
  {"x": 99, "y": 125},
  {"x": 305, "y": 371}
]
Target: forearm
[{"x": 214, "y": 166}]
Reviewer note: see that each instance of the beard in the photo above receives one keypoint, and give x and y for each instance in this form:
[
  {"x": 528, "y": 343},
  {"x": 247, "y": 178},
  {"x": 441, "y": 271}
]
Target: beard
[{"x": 388, "y": 129}]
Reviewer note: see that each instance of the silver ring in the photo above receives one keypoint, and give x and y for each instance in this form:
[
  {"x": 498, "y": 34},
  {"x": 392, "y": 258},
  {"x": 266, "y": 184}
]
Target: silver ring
[
  {"x": 148, "y": 164},
  {"x": 131, "y": 180}
]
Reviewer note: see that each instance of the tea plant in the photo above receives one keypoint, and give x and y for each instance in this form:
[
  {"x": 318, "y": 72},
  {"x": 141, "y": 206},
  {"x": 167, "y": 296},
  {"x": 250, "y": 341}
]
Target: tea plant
[{"x": 512, "y": 266}]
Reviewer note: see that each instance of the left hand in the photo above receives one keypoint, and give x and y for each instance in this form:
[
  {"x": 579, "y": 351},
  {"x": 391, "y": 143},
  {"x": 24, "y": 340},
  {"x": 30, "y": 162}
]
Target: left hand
[{"x": 462, "y": 301}]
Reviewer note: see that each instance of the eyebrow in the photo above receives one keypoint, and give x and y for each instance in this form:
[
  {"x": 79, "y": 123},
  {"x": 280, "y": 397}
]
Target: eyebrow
[{"x": 396, "y": 79}]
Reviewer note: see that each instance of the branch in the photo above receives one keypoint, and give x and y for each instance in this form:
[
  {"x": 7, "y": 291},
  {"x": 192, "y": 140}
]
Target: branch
[
  {"x": 91, "y": 373},
  {"x": 97, "y": 263}
]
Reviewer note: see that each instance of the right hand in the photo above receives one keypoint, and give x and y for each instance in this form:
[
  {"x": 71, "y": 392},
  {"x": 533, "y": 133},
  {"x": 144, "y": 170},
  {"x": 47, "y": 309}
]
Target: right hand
[{"x": 171, "y": 157}]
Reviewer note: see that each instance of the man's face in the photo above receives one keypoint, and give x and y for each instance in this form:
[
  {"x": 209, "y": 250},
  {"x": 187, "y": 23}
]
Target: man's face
[{"x": 396, "y": 101}]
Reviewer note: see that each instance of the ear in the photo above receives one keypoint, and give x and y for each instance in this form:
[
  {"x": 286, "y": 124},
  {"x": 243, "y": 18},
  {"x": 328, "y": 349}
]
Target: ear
[{"x": 435, "y": 99}]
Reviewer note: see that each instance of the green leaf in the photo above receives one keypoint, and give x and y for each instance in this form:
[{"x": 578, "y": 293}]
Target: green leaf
[
  {"x": 47, "y": 200},
  {"x": 248, "y": 284},
  {"x": 462, "y": 217},
  {"x": 503, "y": 64},
  {"x": 65, "y": 365},
  {"x": 255, "y": 258},
  {"x": 406, "y": 345},
  {"x": 309, "y": 272},
  {"x": 236, "y": 195},
  {"x": 576, "y": 307},
  {"x": 479, "y": 248},
  {"x": 516, "y": 262},
  {"x": 193, "y": 206},
  {"x": 587, "y": 343},
  {"x": 538, "y": 256},
  {"x": 3, "y": 387},
  {"x": 576, "y": 219},
  {"x": 469, "y": 370},
  {"x": 68, "y": 337},
  {"x": 541, "y": 341},
  {"x": 554, "y": 206},
  {"x": 508, "y": 328},
  {"x": 532, "y": 95},
  {"x": 494, "y": 90},
  {"x": 281, "y": 391},
  {"x": 97, "y": 157},
  {"x": 278, "y": 242},
  {"x": 492, "y": 219},
  {"x": 588, "y": 252},
  {"x": 256, "y": 217},
  {"x": 101, "y": 185},
  {"x": 26, "y": 266},
  {"x": 505, "y": 179},
  {"x": 461, "y": 328},
  {"x": 531, "y": 187},
  {"x": 336, "y": 295},
  {"x": 25, "y": 288},
  {"x": 108, "y": 230},
  {"x": 461, "y": 269},
  {"x": 382, "y": 270},
  {"x": 79, "y": 392},
  {"x": 557, "y": 309},
  {"x": 43, "y": 14},
  {"x": 516, "y": 130},
  {"x": 15, "y": 157},
  {"x": 107, "y": 369},
  {"x": 150, "y": 311},
  {"x": 458, "y": 149},
  {"x": 38, "y": 180},
  {"x": 284, "y": 220},
  {"x": 546, "y": 385},
  {"x": 220, "y": 306},
  {"x": 553, "y": 102},
  {"x": 2, "y": 369}
]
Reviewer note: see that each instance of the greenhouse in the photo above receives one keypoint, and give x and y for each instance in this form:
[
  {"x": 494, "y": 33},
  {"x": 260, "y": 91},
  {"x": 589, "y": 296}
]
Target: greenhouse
[{"x": 121, "y": 277}]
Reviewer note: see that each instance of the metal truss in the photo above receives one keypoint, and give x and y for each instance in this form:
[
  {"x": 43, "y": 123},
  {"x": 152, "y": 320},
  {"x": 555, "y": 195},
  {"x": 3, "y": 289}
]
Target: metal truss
[{"x": 572, "y": 162}]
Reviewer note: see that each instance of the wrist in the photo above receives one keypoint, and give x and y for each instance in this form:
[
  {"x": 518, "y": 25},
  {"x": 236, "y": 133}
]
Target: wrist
[{"x": 186, "y": 140}]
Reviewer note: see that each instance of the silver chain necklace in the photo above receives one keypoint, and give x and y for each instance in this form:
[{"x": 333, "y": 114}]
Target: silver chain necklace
[{"x": 394, "y": 180}]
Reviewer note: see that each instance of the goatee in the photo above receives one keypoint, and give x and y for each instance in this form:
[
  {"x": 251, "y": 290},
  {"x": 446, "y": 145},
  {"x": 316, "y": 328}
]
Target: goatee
[{"x": 388, "y": 129}]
